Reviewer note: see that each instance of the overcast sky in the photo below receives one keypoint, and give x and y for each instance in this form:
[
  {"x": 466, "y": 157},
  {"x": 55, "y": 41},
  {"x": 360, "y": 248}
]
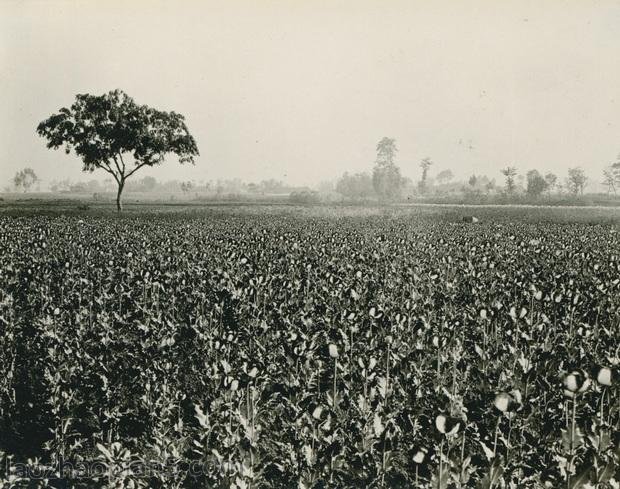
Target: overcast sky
[{"x": 303, "y": 90}]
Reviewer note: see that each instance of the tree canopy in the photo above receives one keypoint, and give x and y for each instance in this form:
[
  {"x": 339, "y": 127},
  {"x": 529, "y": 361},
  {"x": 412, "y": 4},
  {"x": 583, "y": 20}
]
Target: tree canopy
[{"x": 115, "y": 134}]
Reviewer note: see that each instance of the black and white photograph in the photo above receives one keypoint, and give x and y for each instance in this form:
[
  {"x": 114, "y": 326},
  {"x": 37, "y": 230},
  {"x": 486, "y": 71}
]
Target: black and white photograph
[{"x": 309, "y": 244}]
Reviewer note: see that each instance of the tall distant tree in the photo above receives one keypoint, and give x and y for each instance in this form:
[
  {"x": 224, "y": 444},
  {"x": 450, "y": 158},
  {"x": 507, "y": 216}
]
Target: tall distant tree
[
  {"x": 536, "y": 184},
  {"x": 386, "y": 178},
  {"x": 25, "y": 179},
  {"x": 576, "y": 180},
  {"x": 510, "y": 172},
  {"x": 425, "y": 164},
  {"x": 113, "y": 133},
  {"x": 386, "y": 151},
  {"x": 473, "y": 180}
]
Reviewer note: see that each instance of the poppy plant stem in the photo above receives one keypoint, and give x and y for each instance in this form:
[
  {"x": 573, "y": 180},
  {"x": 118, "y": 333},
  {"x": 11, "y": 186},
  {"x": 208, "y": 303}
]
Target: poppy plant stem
[
  {"x": 387, "y": 374},
  {"x": 383, "y": 461},
  {"x": 602, "y": 413},
  {"x": 463, "y": 444},
  {"x": 499, "y": 418},
  {"x": 439, "y": 483},
  {"x": 508, "y": 440},
  {"x": 350, "y": 350},
  {"x": 335, "y": 379},
  {"x": 571, "y": 442},
  {"x": 318, "y": 380}
]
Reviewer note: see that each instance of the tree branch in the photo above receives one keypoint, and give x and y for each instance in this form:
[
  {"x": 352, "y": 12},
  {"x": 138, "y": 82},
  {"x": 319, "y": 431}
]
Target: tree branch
[
  {"x": 122, "y": 161},
  {"x": 106, "y": 167},
  {"x": 120, "y": 172},
  {"x": 136, "y": 169}
]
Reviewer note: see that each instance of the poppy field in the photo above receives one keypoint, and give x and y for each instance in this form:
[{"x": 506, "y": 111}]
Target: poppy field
[{"x": 278, "y": 351}]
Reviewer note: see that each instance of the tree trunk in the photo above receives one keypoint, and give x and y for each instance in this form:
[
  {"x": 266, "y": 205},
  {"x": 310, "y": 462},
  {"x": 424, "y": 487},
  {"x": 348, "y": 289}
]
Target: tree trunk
[{"x": 119, "y": 204}]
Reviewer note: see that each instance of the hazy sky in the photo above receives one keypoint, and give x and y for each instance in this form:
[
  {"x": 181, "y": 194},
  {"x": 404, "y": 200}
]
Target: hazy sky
[{"x": 303, "y": 90}]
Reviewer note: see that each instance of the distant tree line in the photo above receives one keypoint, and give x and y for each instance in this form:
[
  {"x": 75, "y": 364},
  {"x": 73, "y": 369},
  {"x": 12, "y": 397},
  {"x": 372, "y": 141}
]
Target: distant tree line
[
  {"x": 386, "y": 182},
  {"x": 149, "y": 184}
]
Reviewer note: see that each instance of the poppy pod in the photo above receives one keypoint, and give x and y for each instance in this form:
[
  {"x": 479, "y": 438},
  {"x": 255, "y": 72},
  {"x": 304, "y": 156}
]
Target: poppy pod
[
  {"x": 317, "y": 412},
  {"x": 231, "y": 383},
  {"x": 419, "y": 454},
  {"x": 605, "y": 376},
  {"x": 576, "y": 382},
  {"x": 508, "y": 402},
  {"x": 333, "y": 351},
  {"x": 502, "y": 401},
  {"x": 447, "y": 425}
]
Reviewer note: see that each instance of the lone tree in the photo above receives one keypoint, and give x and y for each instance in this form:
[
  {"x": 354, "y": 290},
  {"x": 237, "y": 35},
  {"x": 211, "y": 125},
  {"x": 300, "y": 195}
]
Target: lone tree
[
  {"x": 115, "y": 134},
  {"x": 25, "y": 179}
]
